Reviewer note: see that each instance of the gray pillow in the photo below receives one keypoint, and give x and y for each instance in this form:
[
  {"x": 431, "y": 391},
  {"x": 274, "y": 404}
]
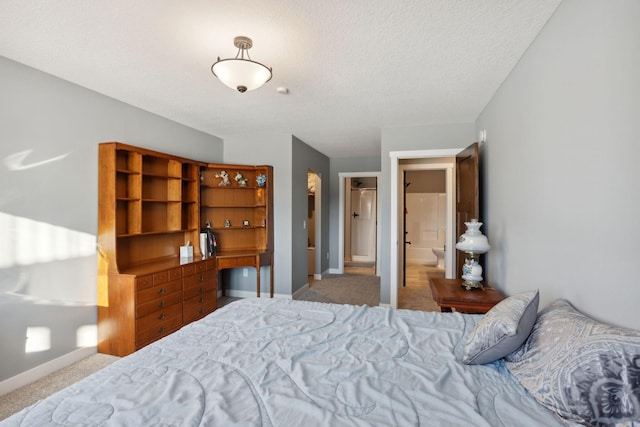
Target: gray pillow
[
  {"x": 583, "y": 370},
  {"x": 502, "y": 330}
]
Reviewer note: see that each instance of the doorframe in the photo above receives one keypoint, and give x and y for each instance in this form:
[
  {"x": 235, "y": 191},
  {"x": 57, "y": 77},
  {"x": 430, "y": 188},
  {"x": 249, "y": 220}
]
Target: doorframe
[
  {"x": 397, "y": 181},
  {"x": 317, "y": 200},
  {"x": 342, "y": 176}
]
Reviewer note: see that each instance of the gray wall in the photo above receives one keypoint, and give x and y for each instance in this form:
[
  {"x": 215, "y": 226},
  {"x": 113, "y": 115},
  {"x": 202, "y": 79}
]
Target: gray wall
[
  {"x": 337, "y": 166},
  {"x": 48, "y": 213},
  {"x": 291, "y": 159},
  {"x": 561, "y": 163},
  {"x": 305, "y": 158},
  {"x": 457, "y": 135},
  {"x": 274, "y": 150}
]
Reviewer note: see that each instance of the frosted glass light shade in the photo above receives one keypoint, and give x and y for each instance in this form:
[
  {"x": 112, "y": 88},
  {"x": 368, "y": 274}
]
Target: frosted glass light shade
[{"x": 241, "y": 74}]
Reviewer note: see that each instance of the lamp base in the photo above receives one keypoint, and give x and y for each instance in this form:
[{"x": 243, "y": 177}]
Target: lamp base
[{"x": 468, "y": 284}]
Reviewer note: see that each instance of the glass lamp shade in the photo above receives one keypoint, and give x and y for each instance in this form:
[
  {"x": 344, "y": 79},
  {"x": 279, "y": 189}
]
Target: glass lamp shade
[
  {"x": 241, "y": 74},
  {"x": 473, "y": 240}
]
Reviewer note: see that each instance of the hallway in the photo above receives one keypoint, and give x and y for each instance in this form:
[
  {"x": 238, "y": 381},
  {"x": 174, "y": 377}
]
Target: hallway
[{"x": 417, "y": 294}]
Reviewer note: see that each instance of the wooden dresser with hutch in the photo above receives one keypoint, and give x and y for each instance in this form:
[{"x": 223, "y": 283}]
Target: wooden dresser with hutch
[{"x": 150, "y": 204}]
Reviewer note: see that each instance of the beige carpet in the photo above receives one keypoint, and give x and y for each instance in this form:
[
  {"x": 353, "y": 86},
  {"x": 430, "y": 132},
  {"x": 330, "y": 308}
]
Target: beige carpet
[
  {"x": 359, "y": 286},
  {"x": 21, "y": 398},
  {"x": 353, "y": 289}
]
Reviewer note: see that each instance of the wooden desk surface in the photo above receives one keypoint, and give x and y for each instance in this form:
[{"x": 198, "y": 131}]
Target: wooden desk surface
[{"x": 450, "y": 294}]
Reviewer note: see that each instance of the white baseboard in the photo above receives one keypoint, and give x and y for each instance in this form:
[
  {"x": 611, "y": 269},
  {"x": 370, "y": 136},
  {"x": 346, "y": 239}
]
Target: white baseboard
[
  {"x": 45, "y": 369},
  {"x": 335, "y": 271}
]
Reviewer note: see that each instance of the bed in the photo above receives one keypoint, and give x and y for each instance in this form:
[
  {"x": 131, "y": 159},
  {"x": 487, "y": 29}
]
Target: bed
[{"x": 278, "y": 362}]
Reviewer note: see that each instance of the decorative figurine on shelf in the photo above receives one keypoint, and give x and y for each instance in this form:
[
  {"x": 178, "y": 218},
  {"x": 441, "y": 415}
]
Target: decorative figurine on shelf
[
  {"x": 261, "y": 180},
  {"x": 224, "y": 182},
  {"x": 227, "y": 223},
  {"x": 241, "y": 180}
]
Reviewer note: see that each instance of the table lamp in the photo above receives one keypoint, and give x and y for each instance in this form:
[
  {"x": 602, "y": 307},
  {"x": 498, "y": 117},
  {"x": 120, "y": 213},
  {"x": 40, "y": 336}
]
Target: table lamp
[{"x": 473, "y": 243}]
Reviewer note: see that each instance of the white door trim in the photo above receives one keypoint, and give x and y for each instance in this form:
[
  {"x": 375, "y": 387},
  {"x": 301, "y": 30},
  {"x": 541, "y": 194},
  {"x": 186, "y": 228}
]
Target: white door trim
[
  {"x": 317, "y": 268},
  {"x": 396, "y": 200},
  {"x": 342, "y": 177}
]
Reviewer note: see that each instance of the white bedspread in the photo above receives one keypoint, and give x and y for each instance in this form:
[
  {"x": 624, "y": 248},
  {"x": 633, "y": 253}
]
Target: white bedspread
[{"x": 276, "y": 362}]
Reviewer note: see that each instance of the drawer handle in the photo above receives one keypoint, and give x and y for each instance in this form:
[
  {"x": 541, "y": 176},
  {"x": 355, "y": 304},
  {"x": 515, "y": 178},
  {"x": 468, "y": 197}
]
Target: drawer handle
[
  {"x": 161, "y": 291},
  {"x": 161, "y": 304},
  {"x": 201, "y": 311},
  {"x": 161, "y": 329},
  {"x": 201, "y": 289},
  {"x": 201, "y": 278},
  {"x": 162, "y": 316},
  {"x": 201, "y": 299}
]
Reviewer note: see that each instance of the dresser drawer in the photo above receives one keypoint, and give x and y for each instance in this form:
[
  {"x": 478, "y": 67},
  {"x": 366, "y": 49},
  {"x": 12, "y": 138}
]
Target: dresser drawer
[
  {"x": 158, "y": 303},
  {"x": 157, "y": 318},
  {"x": 205, "y": 276},
  {"x": 160, "y": 277},
  {"x": 175, "y": 273},
  {"x": 201, "y": 266},
  {"x": 158, "y": 330},
  {"x": 144, "y": 282},
  {"x": 166, "y": 276},
  {"x": 159, "y": 291},
  {"x": 188, "y": 269},
  {"x": 199, "y": 289},
  {"x": 199, "y": 306}
]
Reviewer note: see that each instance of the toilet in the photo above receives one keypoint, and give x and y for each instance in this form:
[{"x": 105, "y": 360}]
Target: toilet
[{"x": 439, "y": 253}]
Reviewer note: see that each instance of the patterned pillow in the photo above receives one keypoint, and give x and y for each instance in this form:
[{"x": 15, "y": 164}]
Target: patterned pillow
[
  {"x": 583, "y": 370},
  {"x": 502, "y": 330}
]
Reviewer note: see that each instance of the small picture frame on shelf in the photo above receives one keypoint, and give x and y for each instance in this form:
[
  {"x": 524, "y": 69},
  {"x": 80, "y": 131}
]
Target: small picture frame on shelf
[{"x": 245, "y": 223}]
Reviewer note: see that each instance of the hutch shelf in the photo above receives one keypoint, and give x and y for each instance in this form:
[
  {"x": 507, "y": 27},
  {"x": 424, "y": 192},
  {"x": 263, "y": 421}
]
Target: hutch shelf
[
  {"x": 239, "y": 211},
  {"x": 150, "y": 204}
]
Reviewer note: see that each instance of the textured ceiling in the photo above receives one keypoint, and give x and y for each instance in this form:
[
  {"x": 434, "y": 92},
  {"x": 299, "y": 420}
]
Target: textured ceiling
[{"x": 352, "y": 67}]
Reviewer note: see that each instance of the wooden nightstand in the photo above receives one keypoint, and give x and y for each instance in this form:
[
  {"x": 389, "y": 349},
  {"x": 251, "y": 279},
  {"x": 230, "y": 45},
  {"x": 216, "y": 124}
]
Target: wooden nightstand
[{"x": 450, "y": 294}]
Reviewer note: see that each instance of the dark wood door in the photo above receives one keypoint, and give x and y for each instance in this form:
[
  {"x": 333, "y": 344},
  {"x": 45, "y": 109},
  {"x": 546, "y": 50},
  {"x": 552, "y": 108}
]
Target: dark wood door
[
  {"x": 467, "y": 194},
  {"x": 404, "y": 229}
]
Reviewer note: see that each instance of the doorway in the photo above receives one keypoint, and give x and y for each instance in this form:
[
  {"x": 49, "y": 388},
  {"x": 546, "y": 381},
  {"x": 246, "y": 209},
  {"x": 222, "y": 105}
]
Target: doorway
[
  {"x": 359, "y": 228},
  {"x": 314, "y": 185},
  {"x": 362, "y": 220},
  {"x": 414, "y": 161},
  {"x": 425, "y": 214}
]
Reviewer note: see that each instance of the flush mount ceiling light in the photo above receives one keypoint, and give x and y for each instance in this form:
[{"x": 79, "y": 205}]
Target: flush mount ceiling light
[{"x": 241, "y": 73}]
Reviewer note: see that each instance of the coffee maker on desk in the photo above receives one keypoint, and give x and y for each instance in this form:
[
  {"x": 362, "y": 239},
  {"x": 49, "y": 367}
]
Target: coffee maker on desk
[{"x": 208, "y": 243}]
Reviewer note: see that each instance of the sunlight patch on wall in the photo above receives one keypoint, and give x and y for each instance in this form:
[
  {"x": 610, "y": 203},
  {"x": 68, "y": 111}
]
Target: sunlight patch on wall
[
  {"x": 38, "y": 339},
  {"x": 87, "y": 336},
  {"x": 29, "y": 242}
]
